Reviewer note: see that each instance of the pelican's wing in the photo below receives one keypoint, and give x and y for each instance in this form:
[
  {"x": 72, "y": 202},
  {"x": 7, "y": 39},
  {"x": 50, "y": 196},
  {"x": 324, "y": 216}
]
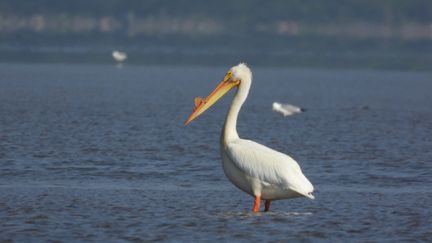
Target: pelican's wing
[{"x": 268, "y": 165}]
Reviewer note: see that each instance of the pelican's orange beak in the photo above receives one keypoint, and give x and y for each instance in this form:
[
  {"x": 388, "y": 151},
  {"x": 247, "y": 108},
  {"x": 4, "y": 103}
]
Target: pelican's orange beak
[{"x": 202, "y": 104}]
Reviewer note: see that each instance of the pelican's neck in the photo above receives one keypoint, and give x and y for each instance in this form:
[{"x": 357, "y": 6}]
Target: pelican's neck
[{"x": 229, "y": 131}]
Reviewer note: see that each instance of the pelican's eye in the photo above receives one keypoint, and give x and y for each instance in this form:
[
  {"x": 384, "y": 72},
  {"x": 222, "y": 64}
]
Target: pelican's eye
[{"x": 228, "y": 76}]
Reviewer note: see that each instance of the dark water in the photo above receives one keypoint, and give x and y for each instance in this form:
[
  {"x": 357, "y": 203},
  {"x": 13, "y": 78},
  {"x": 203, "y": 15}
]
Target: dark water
[{"x": 94, "y": 153}]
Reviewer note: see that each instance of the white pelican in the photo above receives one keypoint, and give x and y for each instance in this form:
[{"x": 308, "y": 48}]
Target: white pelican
[
  {"x": 119, "y": 56},
  {"x": 256, "y": 169},
  {"x": 286, "y": 109}
]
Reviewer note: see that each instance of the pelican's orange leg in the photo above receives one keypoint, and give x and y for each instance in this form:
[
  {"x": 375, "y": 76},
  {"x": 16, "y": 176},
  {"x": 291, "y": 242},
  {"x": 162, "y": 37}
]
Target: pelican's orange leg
[
  {"x": 267, "y": 205},
  {"x": 256, "y": 206}
]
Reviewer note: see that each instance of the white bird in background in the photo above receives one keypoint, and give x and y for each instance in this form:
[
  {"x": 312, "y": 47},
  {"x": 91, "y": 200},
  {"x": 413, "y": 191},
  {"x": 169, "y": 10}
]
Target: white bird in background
[
  {"x": 286, "y": 109},
  {"x": 119, "y": 56},
  {"x": 261, "y": 172}
]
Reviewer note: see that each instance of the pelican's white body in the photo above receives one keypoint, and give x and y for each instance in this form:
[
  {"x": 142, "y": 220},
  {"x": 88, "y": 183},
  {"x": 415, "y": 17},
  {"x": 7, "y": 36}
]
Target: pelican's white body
[
  {"x": 252, "y": 167},
  {"x": 261, "y": 171},
  {"x": 286, "y": 109},
  {"x": 119, "y": 56}
]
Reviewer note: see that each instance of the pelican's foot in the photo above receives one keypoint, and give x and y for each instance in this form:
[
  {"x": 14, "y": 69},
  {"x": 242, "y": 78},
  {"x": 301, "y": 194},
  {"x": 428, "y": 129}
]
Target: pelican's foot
[
  {"x": 267, "y": 205},
  {"x": 256, "y": 206}
]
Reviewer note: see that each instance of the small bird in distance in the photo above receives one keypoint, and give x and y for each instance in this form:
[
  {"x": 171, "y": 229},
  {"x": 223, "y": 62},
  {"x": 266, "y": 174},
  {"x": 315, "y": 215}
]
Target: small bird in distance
[
  {"x": 119, "y": 56},
  {"x": 287, "y": 109}
]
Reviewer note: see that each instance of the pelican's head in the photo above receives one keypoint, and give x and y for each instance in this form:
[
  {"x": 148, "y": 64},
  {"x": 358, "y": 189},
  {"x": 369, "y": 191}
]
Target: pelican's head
[
  {"x": 237, "y": 76},
  {"x": 241, "y": 72}
]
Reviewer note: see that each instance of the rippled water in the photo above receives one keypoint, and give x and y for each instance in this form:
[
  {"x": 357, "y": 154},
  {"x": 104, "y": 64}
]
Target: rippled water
[{"x": 101, "y": 153}]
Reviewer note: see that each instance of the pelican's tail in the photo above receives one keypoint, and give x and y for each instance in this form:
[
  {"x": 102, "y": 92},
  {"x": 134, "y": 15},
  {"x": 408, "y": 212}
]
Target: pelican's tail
[
  {"x": 303, "y": 187},
  {"x": 309, "y": 195}
]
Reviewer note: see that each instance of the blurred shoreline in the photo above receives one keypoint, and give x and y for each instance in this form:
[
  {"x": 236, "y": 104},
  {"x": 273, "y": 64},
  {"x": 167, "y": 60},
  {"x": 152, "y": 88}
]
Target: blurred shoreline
[
  {"x": 343, "y": 34},
  {"x": 132, "y": 25}
]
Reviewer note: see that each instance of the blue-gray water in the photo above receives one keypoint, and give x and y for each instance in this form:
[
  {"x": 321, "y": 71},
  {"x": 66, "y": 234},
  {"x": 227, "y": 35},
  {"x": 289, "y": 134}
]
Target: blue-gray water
[{"x": 96, "y": 152}]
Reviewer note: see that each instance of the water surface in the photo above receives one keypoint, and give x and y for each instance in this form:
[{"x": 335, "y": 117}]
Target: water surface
[{"x": 96, "y": 152}]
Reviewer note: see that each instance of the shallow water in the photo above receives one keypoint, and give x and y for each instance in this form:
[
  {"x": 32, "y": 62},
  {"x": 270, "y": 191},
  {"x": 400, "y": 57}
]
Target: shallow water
[{"x": 96, "y": 152}]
